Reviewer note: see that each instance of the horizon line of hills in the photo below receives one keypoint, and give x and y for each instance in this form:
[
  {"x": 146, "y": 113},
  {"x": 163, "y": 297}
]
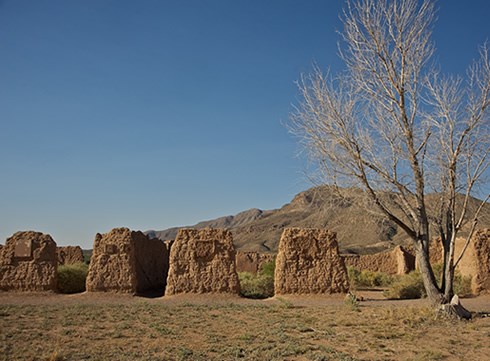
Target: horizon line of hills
[{"x": 358, "y": 229}]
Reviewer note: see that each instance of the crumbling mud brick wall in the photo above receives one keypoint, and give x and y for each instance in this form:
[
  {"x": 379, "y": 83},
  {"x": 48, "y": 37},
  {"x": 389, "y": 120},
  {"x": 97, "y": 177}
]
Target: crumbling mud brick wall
[
  {"x": 28, "y": 262},
  {"x": 252, "y": 261},
  {"x": 202, "y": 261},
  {"x": 404, "y": 259},
  {"x": 436, "y": 252},
  {"x": 308, "y": 262},
  {"x": 475, "y": 262},
  {"x": 69, "y": 255},
  {"x": 396, "y": 261},
  {"x": 127, "y": 261}
]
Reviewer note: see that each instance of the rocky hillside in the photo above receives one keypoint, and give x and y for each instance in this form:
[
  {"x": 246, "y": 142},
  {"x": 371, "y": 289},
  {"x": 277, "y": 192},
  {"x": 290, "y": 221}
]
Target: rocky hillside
[{"x": 359, "y": 228}]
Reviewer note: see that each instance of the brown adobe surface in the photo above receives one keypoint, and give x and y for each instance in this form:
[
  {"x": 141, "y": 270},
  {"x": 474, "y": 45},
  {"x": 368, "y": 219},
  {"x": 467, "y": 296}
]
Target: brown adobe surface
[
  {"x": 28, "y": 262},
  {"x": 202, "y": 261},
  {"x": 308, "y": 262},
  {"x": 127, "y": 261}
]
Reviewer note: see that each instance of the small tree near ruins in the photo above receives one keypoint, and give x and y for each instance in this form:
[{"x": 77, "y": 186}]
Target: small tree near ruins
[{"x": 394, "y": 126}]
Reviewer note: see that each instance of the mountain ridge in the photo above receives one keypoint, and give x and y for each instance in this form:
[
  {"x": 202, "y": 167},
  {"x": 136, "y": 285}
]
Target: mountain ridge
[{"x": 359, "y": 229}]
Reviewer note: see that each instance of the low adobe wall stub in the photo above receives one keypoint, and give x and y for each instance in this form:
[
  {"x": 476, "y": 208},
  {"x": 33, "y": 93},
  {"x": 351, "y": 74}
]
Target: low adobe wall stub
[
  {"x": 202, "y": 261},
  {"x": 69, "y": 255},
  {"x": 308, "y": 262},
  {"x": 396, "y": 261},
  {"x": 252, "y": 261},
  {"x": 28, "y": 262}
]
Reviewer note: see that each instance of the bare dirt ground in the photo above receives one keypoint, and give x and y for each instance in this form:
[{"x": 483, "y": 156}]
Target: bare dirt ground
[{"x": 100, "y": 326}]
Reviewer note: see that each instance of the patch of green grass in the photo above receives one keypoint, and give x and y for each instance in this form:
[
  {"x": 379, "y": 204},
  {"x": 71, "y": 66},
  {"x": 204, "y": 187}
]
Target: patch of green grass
[
  {"x": 285, "y": 303},
  {"x": 161, "y": 329},
  {"x": 431, "y": 356}
]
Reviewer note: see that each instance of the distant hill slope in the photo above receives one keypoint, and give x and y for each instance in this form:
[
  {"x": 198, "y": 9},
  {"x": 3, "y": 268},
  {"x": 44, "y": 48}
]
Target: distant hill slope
[{"x": 358, "y": 230}]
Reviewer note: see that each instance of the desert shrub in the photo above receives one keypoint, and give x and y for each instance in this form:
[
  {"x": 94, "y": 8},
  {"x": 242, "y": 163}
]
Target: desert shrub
[
  {"x": 411, "y": 285},
  {"x": 268, "y": 268},
  {"x": 71, "y": 278},
  {"x": 462, "y": 285},
  {"x": 406, "y": 287},
  {"x": 364, "y": 278},
  {"x": 87, "y": 255},
  {"x": 258, "y": 285}
]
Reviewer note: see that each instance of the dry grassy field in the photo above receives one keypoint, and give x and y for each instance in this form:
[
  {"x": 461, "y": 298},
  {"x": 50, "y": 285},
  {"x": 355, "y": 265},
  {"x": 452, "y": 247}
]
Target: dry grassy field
[{"x": 118, "y": 327}]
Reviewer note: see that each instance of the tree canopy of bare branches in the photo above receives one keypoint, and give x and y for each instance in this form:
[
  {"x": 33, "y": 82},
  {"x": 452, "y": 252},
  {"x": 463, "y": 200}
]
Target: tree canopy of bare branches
[{"x": 391, "y": 122}]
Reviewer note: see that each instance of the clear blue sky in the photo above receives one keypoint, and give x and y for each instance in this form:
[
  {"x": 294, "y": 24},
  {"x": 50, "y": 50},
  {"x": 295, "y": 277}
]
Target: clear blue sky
[{"x": 152, "y": 114}]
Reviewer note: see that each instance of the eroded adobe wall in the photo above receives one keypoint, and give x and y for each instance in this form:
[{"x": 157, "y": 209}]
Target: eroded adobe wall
[
  {"x": 151, "y": 262},
  {"x": 308, "y": 262},
  {"x": 112, "y": 266},
  {"x": 126, "y": 261},
  {"x": 475, "y": 262},
  {"x": 28, "y": 262},
  {"x": 202, "y": 261},
  {"x": 405, "y": 260}
]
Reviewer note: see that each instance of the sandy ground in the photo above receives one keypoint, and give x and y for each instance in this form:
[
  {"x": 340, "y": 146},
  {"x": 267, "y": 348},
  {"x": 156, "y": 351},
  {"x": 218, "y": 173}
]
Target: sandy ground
[
  {"x": 369, "y": 298},
  {"x": 111, "y": 326}
]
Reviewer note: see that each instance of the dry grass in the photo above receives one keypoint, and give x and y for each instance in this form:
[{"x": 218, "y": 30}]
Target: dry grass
[{"x": 140, "y": 329}]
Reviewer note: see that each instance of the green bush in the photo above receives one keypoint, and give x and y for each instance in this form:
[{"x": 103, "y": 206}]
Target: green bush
[
  {"x": 411, "y": 285},
  {"x": 406, "y": 287},
  {"x": 462, "y": 285},
  {"x": 87, "y": 255},
  {"x": 256, "y": 285},
  {"x": 360, "y": 279},
  {"x": 260, "y": 285},
  {"x": 71, "y": 278},
  {"x": 268, "y": 268}
]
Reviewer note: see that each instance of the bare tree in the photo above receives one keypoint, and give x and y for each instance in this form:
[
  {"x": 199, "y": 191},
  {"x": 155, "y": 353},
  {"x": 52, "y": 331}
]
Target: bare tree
[{"x": 394, "y": 126}]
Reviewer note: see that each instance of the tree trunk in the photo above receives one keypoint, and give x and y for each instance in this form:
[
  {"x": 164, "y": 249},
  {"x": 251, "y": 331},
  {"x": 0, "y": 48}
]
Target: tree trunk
[
  {"x": 448, "y": 289},
  {"x": 449, "y": 268},
  {"x": 433, "y": 293}
]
